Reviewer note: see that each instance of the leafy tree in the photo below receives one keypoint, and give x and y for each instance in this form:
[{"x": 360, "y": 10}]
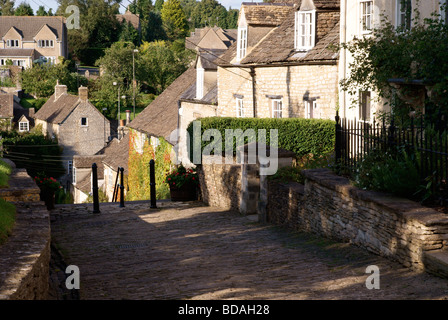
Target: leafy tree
[
  {"x": 160, "y": 64},
  {"x": 158, "y": 5},
  {"x": 129, "y": 33},
  {"x": 24, "y": 9},
  {"x": 174, "y": 20},
  {"x": 7, "y": 7},
  {"x": 232, "y": 19},
  {"x": 41, "y": 11},
  {"x": 152, "y": 29},
  {"x": 209, "y": 13},
  {"x": 41, "y": 79}
]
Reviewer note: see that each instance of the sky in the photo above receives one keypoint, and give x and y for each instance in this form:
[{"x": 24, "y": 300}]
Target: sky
[{"x": 234, "y": 4}]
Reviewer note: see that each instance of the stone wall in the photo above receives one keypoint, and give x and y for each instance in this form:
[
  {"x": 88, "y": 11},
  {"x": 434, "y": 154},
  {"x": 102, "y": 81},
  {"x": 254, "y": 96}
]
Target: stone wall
[
  {"x": 25, "y": 257},
  {"x": 220, "y": 184},
  {"x": 329, "y": 205},
  {"x": 294, "y": 85}
]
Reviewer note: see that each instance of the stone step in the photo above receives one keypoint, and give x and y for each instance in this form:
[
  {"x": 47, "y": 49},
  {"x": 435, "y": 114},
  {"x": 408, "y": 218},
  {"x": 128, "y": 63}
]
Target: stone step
[{"x": 436, "y": 262}]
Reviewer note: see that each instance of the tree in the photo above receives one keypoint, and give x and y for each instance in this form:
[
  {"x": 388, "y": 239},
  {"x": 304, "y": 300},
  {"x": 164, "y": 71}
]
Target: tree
[
  {"x": 7, "y": 7},
  {"x": 160, "y": 64},
  {"x": 41, "y": 79},
  {"x": 158, "y": 5},
  {"x": 129, "y": 33},
  {"x": 24, "y": 9},
  {"x": 209, "y": 13},
  {"x": 41, "y": 11},
  {"x": 174, "y": 20}
]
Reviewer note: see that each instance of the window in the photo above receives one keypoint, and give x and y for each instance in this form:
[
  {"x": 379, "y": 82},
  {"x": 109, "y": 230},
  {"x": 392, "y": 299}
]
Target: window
[
  {"x": 12, "y": 43},
  {"x": 366, "y": 15},
  {"x": 364, "y": 105},
  {"x": 311, "y": 109},
  {"x": 304, "y": 30},
  {"x": 45, "y": 43},
  {"x": 70, "y": 169},
  {"x": 199, "y": 83},
  {"x": 239, "y": 108},
  {"x": 20, "y": 63},
  {"x": 443, "y": 10},
  {"x": 84, "y": 122},
  {"x": 74, "y": 175},
  {"x": 24, "y": 126},
  {"x": 277, "y": 105},
  {"x": 242, "y": 43},
  {"x": 404, "y": 11}
]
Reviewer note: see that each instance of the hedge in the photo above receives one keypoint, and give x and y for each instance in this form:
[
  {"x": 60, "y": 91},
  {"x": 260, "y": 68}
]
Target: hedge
[{"x": 302, "y": 136}]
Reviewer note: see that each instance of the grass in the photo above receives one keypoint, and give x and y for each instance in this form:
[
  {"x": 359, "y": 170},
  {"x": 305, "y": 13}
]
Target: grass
[
  {"x": 5, "y": 171},
  {"x": 7, "y": 219}
]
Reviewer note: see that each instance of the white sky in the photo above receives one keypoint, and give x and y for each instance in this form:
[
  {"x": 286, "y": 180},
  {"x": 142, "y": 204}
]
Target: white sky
[{"x": 234, "y": 4}]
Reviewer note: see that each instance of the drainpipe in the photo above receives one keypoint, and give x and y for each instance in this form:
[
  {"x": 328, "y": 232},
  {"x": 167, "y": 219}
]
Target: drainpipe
[
  {"x": 254, "y": 98},
  {"x": 343, "y": 33}
]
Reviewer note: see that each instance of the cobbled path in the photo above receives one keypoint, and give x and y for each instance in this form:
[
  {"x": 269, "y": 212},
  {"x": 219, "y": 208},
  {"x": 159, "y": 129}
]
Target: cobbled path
[{"x": 190, "y": 251}]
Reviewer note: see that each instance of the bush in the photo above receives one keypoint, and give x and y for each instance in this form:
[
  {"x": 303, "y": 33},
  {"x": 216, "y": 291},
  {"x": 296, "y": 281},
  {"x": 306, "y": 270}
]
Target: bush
[
  {"x": 393, "y": 171},
  {"x": 5, "y": 171},
  {"x": 302, "y": 136},
  {"x": 7, "y": 219}
]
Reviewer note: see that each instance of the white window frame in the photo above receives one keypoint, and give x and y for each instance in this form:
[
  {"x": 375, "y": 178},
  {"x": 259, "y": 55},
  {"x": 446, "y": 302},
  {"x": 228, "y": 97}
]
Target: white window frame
[
  {"x": 277, "y": 108},
  {"x": 70, "y": 168},
  {"x": 12, "y": 43},
  {"x": 45, "y": 43},
  {"x": 400, "y": 14},
  {"x": 74, "y": 175},
  {"x": 242, "y": 43},
  {"x": 311, "y": 107},
  {"x": 26, "y": 125},
  {"x": 364, "y": 116},
  {"x": 362, "y": 14},
  {"x": 305, "y": 30},
  {"x": 199, "y": 83},
  {"x": 239, "y": 108},
  {"x": 443, "y": 12},
  {"x": 87, "y": 122}
]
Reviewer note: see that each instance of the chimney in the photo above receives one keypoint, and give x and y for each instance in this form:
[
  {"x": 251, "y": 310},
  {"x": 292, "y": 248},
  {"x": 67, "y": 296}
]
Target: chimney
[
  {"x": 83, "y": 93},
  {"x": 59, "y": 90},
  {"x": 128, "y": 116}
]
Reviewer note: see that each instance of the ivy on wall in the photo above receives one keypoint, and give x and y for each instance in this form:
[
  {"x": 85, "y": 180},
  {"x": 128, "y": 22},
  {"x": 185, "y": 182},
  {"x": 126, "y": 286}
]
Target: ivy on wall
[{"x": 138, "y": 168}]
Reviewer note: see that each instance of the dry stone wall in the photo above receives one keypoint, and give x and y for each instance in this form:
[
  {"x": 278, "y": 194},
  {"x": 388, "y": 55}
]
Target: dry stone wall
[{"x": 329, "y": 205}]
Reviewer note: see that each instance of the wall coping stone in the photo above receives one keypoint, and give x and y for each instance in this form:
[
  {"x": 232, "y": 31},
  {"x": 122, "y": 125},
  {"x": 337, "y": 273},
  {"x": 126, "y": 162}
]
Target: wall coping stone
[{"x": 408, "y": 209}]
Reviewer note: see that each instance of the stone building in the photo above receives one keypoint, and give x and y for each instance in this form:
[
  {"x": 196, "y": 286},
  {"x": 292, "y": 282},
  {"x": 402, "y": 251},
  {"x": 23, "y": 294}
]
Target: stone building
[
  {"x": 28, "y": 38},
  {"x": 369, "y": 13},
  {"x": 13, "y": 115},
  {"x": 283, "y": 64},
  {"x": 76, "y": 123}
]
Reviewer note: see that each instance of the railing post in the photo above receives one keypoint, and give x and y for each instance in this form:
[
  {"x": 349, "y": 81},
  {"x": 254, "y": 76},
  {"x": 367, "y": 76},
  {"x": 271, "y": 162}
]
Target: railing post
[
  {"x": 96, "y": 202},
  {"x": 391, "y": 137},
  {"x": 121, "y": 188},
  {"x": 152, "y": 183},
  {"x": 338, "y": 146}
]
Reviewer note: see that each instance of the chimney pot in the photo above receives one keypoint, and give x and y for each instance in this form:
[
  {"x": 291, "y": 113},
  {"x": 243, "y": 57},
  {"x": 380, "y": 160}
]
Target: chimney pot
[{"x": 59, "y": 90}]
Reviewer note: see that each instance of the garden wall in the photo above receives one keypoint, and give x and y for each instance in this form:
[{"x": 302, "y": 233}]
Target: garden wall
[
  {"x": 330, "y": 206},
  {"x": 25, "y": 257}
]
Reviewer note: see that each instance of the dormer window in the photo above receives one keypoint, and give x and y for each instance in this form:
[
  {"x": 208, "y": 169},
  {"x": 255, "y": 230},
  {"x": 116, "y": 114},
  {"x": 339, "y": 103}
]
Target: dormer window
[
  {"x": 45, "y": 44},
  {"x": 242, "y": 43},
  {"x": 12, "y": 43},
  {"x": 404, "y": 11},
  {"x": 305, "y": 30},
  {"x": 199, "y": 83}
]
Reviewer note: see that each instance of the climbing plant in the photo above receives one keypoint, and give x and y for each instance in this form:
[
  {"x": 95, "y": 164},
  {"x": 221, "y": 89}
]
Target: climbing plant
[{"x": 138, "y": 166}]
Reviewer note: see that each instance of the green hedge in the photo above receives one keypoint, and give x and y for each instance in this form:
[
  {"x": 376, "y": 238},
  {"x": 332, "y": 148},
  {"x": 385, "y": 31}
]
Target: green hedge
[{"x": 302, "y": 136}]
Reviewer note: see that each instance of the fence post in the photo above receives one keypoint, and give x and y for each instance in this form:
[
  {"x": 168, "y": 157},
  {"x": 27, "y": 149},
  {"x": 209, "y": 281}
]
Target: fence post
[
  {"x": 96, "y": 202},
  {"x": 338, "y": 132},
  {"x": 121, "y": 188},
  {"x": 152, "y": 183},
  {"x": 391, "y": 137}
]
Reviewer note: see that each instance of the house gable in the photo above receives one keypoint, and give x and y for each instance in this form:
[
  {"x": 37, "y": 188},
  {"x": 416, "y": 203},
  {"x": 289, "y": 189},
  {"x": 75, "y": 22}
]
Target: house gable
[
  {"x": 12, "y": 33},
  {"x": 45, "y": 33},
  {"x": 211, "y": 40}
]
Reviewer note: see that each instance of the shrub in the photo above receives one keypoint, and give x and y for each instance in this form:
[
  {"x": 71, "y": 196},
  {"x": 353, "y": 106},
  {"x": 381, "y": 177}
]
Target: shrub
[
  {"x": 181, "y": 176},
  {"x": 394, "y": 171},
  {"x": 7, "y": 218},
  {"x": 302, "y": 136},
  {"x": 5, "y": 171}
]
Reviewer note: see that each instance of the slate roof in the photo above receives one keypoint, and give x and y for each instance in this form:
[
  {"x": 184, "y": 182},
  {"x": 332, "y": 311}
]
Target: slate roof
[
  {"x": 134, "y": 19},
  {"x": 6, "y": 105},
  {"x": 211, "y": 97},
  {"x": 227, "y": 36},
  {"x": 266, "y": 14},
  {"x": 116, "y": 153},
  {"x": 56, "y": 111},
  {"x": 160, "y": 117},
  {"x": 29, "y": 26},
  {"x": 17, "y": 52}
]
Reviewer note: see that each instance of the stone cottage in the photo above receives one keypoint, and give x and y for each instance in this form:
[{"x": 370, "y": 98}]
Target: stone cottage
[
  {"x": 13, "y": 115},
  {"x": 283, "y": 64},
  {"x": 76, "y": 123},
  {"x": 369, "y": 13}
]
